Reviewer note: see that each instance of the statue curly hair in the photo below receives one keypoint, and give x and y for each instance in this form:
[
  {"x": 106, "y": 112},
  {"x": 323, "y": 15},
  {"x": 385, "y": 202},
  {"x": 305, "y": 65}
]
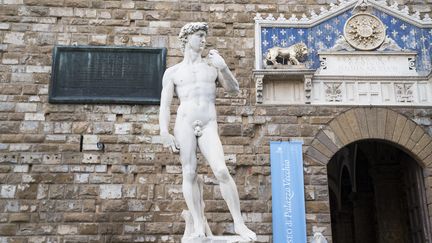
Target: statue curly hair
[{"x": 189, "y": 29}]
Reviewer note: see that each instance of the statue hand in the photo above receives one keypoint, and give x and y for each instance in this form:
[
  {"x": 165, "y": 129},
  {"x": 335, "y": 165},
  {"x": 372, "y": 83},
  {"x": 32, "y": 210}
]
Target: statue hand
[
  {"x": 170, "y": 142},
  {"x": 216, "y": 60}
]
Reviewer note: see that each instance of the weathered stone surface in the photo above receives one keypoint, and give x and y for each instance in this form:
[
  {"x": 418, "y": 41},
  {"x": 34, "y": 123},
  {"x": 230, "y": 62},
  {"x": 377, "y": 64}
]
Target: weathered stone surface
[
  {"x": 362, "y": 121},
  {"x": 131, "y": 192},
  {"x": 8, "y": 229},
  {"x": 338, "y": 131},
  {"x": 391, "y": 121},
  {"x": 352, "y": 121},
  {"x": 400, "y": 123},
  {"x": 372, "y": 122}
]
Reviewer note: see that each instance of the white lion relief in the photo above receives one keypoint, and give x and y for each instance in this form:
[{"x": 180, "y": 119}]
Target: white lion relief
[{"x": 293, "y": 55}]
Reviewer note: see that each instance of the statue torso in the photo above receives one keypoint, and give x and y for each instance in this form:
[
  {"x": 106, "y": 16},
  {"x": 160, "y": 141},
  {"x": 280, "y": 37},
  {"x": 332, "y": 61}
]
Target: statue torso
[{"x": 195, "y": 85}]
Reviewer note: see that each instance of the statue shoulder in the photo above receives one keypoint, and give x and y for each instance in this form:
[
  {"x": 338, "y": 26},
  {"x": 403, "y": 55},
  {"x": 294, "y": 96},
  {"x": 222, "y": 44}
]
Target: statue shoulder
[
  {"x": 172, "y": 70},
  {"x": 170, "y": 74}
]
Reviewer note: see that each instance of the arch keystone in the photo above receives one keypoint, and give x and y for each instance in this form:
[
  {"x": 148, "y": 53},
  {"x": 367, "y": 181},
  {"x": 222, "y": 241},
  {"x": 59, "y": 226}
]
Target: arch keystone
[
  {"x": 372, "y": 122},
  {"x": 381, "y": 122}
]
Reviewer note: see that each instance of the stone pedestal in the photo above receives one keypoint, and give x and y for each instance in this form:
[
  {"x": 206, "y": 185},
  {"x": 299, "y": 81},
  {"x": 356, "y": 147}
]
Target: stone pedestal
[{"x": 215, "y": 239}]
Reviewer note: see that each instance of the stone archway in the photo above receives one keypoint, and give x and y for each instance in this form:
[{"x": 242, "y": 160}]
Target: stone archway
[
  {"x": 371, "y": 123},
  {"x": 379, "y": 124}
]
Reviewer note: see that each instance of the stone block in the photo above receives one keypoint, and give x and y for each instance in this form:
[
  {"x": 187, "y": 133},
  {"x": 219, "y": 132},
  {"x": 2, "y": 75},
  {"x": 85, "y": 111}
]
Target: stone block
[
  {"x": 7, "y": 191},
  {"x": 406, "y": 132},
  {"x": 62, "y": 127},
  {"x": 372, "y": 122},
  {"x": 51, "y": 158},
  {"x": 19, "y": 217},
  {"x": 16, "y": 38},
  {"x": 417, "y": 134},
  {"x": 110, "y": 191},
  {"x": 362, "y": 122},
  {"x": 38, "y": 69},
  {"x": 88, "y": 229},
  {"x": 7, "y": 106},
  {"x": 30, "y": 127},
  {"x": 347, "y": 127},
  {"x": 123, "y": 128},
  {"x": 81, "y": 178},
  {"x": 19, "y": 147},
  {"x": 90, "y": 142},
  {"x": 7, "y": 127},
  {"x": 8, "y": 229},
  {"x": 77, "y": 3},
  {"x": 34, "y": 117},
  {"x": 317, "y": 207},
  {"x": 103, "y": 128},
  {"x": 318, "y": 156},
  {"x": 4, "y": 26},
  {"x": 98, "y": 40},
  {"x": 90, "y": 158},
  {"x": 322, "y": 148},
  {"x": 21, "y": 168},
  {"x": 289, "y": 130},
  {"x": 67, "y": 229},
  {"x": 422, "y": 143},
  {"x": 27, "y": 191},
  {"x": 390, "y": 126},
  {"x": 114, "y": 206},
  {"x": 78, "y": 217},
  {"x": 399, "y": 125},
  {"x": 338, "y": 131},
  {"x": 327, "y": 142},
  {"x": 273, "y": 129},
  {"x": 61, "y": 12}
]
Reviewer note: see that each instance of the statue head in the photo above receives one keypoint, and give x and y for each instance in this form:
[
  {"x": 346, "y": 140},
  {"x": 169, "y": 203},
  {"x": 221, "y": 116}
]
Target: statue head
[{"x": 190, "y": 28}]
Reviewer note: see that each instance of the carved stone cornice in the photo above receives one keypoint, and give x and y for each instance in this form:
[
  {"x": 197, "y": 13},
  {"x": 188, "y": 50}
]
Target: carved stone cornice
[{"x": 307, "y": 21}]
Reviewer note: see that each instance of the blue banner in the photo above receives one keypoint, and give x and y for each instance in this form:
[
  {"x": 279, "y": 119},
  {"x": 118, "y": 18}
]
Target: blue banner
[{"x": 288, "y": 203}]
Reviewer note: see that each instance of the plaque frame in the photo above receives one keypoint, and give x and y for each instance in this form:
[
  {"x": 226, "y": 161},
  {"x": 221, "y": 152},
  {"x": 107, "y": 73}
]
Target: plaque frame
[{"x": 151, "y": 96}]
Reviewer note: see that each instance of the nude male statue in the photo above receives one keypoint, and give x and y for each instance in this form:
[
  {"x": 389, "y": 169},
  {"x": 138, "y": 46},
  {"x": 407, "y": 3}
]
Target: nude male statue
[{"x": 194, "y": 82}]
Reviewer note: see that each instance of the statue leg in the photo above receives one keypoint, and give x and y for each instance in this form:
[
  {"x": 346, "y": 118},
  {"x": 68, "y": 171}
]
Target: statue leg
[
  {"x": 211, "y": 147},
  {"x": 191, "y": 191}
]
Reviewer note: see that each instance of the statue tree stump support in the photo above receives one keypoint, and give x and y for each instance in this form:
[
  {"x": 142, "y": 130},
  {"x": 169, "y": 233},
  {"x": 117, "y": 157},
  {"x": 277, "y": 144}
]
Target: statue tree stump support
[{"x": 194, "y": 82}]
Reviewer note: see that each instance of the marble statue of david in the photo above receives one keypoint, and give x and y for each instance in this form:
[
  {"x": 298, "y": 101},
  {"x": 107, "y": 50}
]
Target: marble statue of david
[{"x": 194, "y": 82}]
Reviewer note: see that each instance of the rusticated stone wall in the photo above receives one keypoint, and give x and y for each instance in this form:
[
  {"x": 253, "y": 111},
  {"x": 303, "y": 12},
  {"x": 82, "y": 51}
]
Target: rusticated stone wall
[{"x": 50, "y": 191}]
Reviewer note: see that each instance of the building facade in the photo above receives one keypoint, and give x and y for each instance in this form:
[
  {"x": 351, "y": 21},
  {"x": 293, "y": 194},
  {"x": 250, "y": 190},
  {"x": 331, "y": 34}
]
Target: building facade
[{"x": 367, "y": 164}]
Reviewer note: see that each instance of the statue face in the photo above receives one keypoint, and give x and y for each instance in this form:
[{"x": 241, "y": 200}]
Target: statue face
[{"x": 197, "y": 41}]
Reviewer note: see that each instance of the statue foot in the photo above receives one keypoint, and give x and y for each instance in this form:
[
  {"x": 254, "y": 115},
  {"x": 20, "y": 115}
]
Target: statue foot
[
  {"x": 245, "y": 232},
  {"x": 199, "y": 231}
]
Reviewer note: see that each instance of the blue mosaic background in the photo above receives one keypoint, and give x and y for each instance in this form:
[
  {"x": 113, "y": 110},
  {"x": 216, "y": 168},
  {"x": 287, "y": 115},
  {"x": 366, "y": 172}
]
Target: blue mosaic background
[{"x": 324, "y": 36}]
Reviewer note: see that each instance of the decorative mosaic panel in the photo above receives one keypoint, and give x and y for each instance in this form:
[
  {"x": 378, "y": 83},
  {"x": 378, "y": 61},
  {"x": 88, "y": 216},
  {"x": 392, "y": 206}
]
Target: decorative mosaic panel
[{"x": 324, "y": 35}]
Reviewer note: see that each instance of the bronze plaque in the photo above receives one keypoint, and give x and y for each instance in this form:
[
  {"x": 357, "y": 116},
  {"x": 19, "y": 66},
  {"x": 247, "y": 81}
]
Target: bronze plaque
[{"x": 115, "y": 75}]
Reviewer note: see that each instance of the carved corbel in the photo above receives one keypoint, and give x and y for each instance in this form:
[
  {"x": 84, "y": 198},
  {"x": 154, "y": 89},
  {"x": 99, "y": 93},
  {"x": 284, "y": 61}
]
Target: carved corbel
[
  {"x": 259, "y": 87},
  {"x": 308, "y": 88}
]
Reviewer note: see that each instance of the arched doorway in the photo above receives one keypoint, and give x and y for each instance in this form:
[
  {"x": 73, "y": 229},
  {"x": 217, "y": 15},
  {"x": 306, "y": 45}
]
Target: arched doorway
[
  {"x": 376, "y": 194},
  {"x": 374, "y": 130}
]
